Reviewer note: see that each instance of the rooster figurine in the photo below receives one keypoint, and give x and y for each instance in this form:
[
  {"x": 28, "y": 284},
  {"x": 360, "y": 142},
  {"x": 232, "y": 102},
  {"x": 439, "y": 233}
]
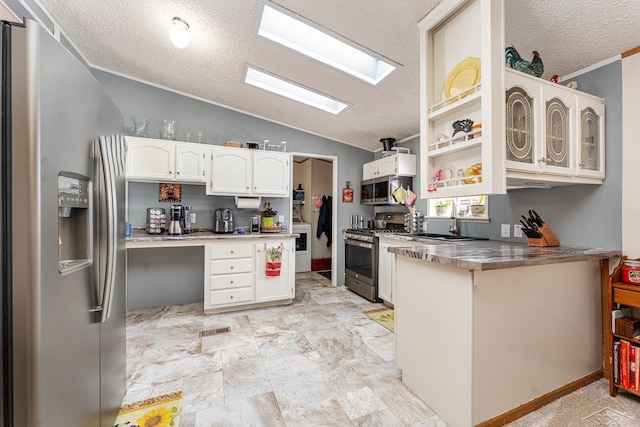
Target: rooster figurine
[{"x": 535, "y": 67}]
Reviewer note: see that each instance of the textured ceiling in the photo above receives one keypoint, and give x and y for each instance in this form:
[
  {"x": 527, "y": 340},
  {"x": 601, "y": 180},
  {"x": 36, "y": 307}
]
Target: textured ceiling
[{"x": 131, "y": 38}]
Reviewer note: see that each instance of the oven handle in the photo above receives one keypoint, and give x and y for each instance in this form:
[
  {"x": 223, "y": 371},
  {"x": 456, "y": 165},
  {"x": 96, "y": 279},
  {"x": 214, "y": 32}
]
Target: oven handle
[{"x": 359, "y": 244}]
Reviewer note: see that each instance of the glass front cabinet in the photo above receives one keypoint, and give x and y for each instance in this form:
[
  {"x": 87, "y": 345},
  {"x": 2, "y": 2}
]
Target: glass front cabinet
[{"x": 486, "y": 128}]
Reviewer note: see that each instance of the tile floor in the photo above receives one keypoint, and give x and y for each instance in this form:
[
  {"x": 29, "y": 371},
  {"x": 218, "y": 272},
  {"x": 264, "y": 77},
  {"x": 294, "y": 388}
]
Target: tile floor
[{"x": 317, "y": 362}]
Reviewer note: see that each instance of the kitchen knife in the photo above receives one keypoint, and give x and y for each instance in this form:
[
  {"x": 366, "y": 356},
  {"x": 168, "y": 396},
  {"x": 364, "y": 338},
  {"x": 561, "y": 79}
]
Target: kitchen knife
[
  {"x": 530, "y": 233},
  {"x": 532, "y": 224},
  {"x": 537, "y": 217}
]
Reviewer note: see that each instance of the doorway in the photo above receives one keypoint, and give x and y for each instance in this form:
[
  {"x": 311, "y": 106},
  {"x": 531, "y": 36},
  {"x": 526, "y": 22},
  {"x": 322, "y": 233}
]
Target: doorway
[{"x": 317, "y": 176}]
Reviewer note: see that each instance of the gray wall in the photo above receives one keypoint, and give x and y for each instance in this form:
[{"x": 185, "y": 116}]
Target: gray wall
[
  {"x": 580, "y": 215},
  {"x": 219, "y": 125}
]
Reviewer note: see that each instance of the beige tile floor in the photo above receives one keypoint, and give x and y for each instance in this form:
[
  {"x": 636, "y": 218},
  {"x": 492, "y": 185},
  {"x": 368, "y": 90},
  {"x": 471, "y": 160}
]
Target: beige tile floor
[{"x": 317, "y": 362}]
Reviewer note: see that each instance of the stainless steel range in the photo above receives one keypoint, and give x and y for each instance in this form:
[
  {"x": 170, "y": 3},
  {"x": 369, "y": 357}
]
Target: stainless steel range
[{"x": 361, "y": 254}]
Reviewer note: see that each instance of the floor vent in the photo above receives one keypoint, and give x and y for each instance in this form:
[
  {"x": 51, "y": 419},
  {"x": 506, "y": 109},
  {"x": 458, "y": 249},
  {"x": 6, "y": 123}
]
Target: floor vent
[{"x": 209, "y": 332}]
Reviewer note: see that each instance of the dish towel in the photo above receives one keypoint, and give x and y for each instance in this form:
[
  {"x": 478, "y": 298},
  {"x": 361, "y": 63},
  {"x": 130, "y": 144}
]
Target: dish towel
[{"x": 274, "y": 260}]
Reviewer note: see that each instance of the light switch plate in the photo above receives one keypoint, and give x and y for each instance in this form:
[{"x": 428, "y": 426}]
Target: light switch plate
[
  {"x": 517, "y": 230},
  {"x": 505, "y": 231}
]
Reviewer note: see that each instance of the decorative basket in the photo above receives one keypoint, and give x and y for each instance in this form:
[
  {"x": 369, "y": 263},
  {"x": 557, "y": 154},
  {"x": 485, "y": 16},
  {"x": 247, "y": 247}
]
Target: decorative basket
[{"x": 272, "y": 229}]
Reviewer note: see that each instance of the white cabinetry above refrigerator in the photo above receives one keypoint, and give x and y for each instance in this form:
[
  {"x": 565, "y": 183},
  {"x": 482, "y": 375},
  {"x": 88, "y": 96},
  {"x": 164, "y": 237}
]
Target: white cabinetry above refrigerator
[{"x": 151, "y": 159}]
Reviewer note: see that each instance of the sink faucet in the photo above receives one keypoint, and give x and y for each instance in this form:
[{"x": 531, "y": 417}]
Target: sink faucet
[{"x": 453, "y": 228}]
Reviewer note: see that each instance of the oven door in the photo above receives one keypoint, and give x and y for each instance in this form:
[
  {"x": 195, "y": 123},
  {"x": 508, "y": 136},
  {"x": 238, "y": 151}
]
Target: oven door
[{"x": 360, "y": 260}]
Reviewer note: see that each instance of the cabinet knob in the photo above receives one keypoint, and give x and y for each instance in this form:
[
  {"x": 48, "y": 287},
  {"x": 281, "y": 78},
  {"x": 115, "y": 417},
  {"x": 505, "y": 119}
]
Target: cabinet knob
[
  {"x": 543, "y": 160},
  {"x": 231, "y": 267},
  {"x": 231, "y": 282},
  {"x": 230, "y": 296},
  {"x": 178, "y": 172},
  {"x": 232, "y": 252}
]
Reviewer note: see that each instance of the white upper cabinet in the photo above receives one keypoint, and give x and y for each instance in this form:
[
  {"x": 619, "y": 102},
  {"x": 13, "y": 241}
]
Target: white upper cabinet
[
  {"x": 554, "y": 135},
  {"x": 237, "y": 171},
  {"x": 395, "y": 164},
  {"x": 590, "y": 130},
  {"x": 271, "y": 173},
  {"x": 528, "y": 132},
  {"x": 231, "y": 171},
  {"x": 150, "y": 159},
  {"x": 156, "y": 160},
  {"x": 191, "y": 162}
]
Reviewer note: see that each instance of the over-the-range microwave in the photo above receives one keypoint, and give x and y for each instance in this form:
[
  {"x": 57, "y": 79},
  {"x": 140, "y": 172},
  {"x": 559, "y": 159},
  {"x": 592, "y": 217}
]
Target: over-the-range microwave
[{"x": 379, "y": 191}]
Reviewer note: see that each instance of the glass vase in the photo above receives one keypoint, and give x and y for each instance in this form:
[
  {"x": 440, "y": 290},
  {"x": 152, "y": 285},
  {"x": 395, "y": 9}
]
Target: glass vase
[{"x": 141, "y": 126}]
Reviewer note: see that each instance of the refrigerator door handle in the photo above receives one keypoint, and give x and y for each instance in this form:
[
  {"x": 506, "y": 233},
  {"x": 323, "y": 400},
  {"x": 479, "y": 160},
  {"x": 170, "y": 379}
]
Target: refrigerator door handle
[{"x": 108, "y": 170}]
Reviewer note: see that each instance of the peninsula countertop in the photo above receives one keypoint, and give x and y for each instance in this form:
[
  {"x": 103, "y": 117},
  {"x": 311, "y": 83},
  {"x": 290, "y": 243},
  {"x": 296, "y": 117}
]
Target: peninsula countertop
[
  {"x": 481, "y": 255},
  {"x": 140, "y": 239}
]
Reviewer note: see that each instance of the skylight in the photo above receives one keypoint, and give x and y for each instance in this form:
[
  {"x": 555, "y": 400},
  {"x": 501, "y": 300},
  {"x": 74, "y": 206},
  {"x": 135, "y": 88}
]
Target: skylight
[
  {"x": 293, "y": 91},
  {"x": 322, "y": 45}
]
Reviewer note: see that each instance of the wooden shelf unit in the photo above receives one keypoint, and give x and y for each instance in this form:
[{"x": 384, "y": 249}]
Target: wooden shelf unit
[{"x": 618, "y": 292}]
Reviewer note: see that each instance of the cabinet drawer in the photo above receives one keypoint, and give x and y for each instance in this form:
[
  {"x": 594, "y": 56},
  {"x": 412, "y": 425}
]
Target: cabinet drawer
[
  {"x": 241, "y": 265},
  {"x": 230, "y": 296},
  {"x": 226, "y": 281},
  {"x": 231, "y": 251},
  {"x": 626, "y": 297}
]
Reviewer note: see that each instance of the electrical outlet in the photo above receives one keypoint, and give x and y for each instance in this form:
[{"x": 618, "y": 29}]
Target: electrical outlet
[
  {"x": 505, "y": 231},
  {"x": 517, "y": 230}
]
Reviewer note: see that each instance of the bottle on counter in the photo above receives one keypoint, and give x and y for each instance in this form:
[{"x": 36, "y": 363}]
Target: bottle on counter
[{"x": 186, "y": 213}]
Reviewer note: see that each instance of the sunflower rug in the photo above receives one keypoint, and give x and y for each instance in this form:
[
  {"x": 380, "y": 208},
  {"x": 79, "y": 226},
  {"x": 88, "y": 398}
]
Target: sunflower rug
[
  {"x": 160, "y": 411},
  {"x": 384, "y": 316}
]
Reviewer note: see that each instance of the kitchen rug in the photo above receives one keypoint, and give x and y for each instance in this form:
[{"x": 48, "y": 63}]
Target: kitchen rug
[
  {"x": 160, "y": 411},
  {"x": 384, "y": 316}
]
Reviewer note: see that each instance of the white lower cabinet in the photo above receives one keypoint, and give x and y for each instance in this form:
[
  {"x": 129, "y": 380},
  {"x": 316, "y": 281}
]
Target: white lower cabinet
[
  {"x": 271, "y": 288},
  {"x": 235, "y": 274},
  {"x": 387, "y": 267},
  {"x": 228, "y": 275}
]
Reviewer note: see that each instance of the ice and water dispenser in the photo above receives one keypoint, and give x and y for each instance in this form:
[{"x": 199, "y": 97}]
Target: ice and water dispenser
[{"x": 75, "y": 244}]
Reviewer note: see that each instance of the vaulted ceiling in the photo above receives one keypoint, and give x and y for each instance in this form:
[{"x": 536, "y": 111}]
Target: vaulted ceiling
[{"x": 131, "y": 38}]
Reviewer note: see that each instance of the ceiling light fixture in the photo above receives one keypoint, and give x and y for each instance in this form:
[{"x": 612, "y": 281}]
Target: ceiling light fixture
[
  {"x": 179, "y": 33},
  {"x": 293, "y": 91},
  {"x": 308, "y": 38}
]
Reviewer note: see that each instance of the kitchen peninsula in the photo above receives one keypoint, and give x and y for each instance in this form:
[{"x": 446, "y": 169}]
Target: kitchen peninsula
[
  {"x": 238, "y": 271},
  {"x": 483, "y": 328}
]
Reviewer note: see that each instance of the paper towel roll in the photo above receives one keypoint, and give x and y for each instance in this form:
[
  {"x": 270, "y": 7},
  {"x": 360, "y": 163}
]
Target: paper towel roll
[{"x": 248, "y": 202}]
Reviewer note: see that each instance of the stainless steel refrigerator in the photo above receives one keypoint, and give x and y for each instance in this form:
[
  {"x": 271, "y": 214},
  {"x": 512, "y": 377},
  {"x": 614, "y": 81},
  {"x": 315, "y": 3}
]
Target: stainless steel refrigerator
[{"x": 62, "y": 215}]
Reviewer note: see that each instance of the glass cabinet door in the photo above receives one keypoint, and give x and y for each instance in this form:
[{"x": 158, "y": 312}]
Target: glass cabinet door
[
  {"x": 557, "y": 134},
  {"x": 590, "y": 140},
  {"x": 520, "y": 136}
]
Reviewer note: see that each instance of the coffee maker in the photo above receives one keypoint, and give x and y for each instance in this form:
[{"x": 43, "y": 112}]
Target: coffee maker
[
  {"x": 223, "y": 221},
  {"x": 177, "y": 216}
]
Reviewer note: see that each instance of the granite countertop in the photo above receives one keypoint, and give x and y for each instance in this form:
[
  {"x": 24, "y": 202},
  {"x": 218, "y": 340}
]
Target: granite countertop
[
  {"x": 140, "y": 239},
  {"x": 492, "y": 255}
]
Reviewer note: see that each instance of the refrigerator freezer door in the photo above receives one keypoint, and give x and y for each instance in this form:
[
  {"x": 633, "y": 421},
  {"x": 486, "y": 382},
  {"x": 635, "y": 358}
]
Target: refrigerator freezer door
[{"x": 57, "y": 109}]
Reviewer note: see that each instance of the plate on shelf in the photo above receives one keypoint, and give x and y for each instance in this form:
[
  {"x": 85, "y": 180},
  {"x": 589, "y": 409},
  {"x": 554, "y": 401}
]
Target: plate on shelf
[
  {"x": 472, "y": 171},
  {"x": 463, "y": 76},
  {"x": 447, "y": 174}
]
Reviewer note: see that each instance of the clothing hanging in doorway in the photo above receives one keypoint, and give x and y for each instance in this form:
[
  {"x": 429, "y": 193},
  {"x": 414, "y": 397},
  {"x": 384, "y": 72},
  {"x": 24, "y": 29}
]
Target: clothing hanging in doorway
[{"x": 324, "y": 219}]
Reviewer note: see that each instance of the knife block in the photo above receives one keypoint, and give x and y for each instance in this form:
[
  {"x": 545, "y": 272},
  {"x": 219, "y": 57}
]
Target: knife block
[{"x": 548, "y": 237}]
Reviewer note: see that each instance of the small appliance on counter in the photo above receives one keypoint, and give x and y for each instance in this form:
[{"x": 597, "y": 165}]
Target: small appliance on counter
[
  {"x": 186, "y": 214},
  {"x": 156, "y": 221},
  {"x": 223, "y": 221},
  {"x": 176, "y": 224},
  {"x": 255, "y": 224}
]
